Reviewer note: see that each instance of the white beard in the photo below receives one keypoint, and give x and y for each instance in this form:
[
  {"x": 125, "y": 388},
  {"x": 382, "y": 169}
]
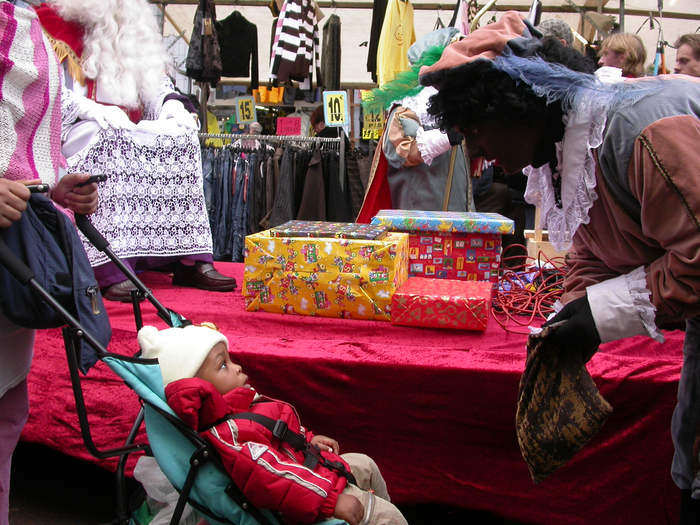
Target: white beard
[{"x": 123, "y": 49}]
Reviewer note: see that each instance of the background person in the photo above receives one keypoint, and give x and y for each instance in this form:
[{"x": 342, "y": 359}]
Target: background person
[
  {"x": 688, "y": 55},
  {"x": 412, "y": 163},
  {"x": 615, "y": 170},
  {"x": 152, "y": 208},
  {"x": 30, "y": 154},
  {"x": 318, "y": 124},
  {"x": 557, "y": 28},
  {"x": 624, "y": 51}
]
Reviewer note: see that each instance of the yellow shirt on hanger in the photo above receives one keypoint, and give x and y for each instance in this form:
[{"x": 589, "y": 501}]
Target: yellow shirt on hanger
[
  {"x": 213, "y": 128},
  {"x": 396, "y": 37}
]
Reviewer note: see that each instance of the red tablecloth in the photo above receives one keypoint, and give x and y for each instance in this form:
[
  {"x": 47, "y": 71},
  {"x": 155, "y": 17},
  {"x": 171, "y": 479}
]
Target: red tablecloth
[{"x": 434, "y": 408}]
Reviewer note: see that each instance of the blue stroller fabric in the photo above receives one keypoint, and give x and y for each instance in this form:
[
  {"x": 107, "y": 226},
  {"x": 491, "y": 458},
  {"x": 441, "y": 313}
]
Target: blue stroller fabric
[{"x": 173, "y": 451}]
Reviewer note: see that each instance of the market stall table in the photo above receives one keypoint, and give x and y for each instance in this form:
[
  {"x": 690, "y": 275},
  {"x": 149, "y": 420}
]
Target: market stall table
[{"x": 435, "y": 408}]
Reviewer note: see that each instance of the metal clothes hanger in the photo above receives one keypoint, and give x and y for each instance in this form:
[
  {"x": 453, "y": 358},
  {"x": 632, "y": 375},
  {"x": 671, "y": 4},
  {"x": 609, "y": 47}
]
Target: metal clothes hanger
[
  {"x": 439, "y": 24},
  {"x": 481, "y": 13}
]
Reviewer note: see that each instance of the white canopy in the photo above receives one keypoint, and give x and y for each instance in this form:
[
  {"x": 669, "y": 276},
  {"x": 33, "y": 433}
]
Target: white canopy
[{"x": 678, "y": 17}]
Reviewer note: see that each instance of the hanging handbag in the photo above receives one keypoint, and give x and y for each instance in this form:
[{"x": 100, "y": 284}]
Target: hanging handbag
[{"x": 203, "y": 60}]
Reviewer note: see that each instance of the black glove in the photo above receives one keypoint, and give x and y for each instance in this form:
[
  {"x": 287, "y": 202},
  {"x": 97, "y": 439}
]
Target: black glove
[
  {"x": 577, "y": 332},
  {"x": 455, "y": 137}
]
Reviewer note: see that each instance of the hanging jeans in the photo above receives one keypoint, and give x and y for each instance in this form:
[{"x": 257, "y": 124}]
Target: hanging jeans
[
  {"x": 221, "y": 203},
  {"x": 240, "y": 211},
  {"x": 208, "y": 178},
  {"x": 282, "y": 210}
]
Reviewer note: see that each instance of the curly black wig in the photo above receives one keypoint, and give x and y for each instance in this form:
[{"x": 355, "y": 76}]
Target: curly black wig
[{"x": 488, "y": 94}]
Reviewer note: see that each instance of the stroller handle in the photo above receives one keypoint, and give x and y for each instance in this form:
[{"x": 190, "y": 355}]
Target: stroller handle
[
  {"x": 98, "y": 241},
  {"x": 95, "y": 237},
  {"x": 14, "y": 265}
]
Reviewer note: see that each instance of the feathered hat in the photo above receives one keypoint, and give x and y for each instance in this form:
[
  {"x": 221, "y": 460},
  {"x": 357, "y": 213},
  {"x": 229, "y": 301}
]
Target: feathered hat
[
  {"x": 511, "y": 35},
  {"x": 424, "y": 52}
]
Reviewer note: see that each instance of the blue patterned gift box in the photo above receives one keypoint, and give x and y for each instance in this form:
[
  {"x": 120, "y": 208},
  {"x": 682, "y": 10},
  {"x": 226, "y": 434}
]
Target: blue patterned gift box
[{"x": 444, "y": 221}]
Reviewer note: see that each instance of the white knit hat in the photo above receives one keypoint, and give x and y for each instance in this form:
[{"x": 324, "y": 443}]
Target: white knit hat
[{"x": 180, "y": 351}]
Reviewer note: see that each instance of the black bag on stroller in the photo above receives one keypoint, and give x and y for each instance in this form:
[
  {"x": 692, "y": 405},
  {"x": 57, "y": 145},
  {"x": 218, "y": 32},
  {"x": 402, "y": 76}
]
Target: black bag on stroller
[{"x": 48, "y": 244}]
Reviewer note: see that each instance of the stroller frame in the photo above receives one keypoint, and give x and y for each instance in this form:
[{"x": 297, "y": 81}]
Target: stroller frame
[{"x": 204, "y": 454}]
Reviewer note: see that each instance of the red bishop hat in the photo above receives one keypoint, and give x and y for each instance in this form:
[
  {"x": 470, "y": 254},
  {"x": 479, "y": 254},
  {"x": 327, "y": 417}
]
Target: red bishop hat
[{"x": 66, "y": 38}]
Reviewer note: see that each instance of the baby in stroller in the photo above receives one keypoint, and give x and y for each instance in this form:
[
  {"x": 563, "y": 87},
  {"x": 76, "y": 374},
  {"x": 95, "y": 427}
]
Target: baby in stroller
[{"x": 278, "y": 464}]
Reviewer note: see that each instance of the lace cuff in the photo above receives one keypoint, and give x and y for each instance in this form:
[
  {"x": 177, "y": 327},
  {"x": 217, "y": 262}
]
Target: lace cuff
[
  {"x": 621, "y": 307},
  {"x": 431, "y": 144}
]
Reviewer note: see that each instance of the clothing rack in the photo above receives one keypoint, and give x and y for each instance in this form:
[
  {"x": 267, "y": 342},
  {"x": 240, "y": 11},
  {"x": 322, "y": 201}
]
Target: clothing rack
[
  {"x": 285, "y": 138},
  {"x": 240, "y": 204},
  {"x": 267, "y": 138}
]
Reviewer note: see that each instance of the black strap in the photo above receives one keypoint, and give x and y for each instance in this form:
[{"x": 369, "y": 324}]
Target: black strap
[
  {"x": 278, "y": 428},
  {"x": 314, "y": 457}
]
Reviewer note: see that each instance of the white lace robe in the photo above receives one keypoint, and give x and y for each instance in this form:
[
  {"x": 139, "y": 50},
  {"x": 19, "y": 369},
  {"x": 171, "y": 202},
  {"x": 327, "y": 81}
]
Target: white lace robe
[{"x": 153, "y": 202}]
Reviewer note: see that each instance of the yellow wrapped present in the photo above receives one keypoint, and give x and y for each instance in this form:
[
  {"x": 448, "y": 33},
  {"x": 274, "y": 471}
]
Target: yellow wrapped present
[{"x": 328, "y": 277}]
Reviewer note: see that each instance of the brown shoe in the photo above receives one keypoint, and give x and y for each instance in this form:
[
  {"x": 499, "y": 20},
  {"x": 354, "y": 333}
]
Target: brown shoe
[
  {"x": 204, "y": 276},
  {"x": 120, "y": 292}
]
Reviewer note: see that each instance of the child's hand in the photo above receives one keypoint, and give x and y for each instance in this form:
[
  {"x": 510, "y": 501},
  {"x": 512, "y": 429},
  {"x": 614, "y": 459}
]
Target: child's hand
[
  {"x": 349, "y": 509},
  {"x": 326, "y": 444}
]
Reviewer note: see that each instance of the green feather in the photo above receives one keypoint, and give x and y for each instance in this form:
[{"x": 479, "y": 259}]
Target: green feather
[{"x": 405, "y": 84}]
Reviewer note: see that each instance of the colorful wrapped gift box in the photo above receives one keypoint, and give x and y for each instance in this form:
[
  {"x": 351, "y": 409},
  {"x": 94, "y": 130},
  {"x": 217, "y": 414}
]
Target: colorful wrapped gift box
[
  {"x": 340, "y": 230},
  {"x": 442, "y": 303},
  {"x": 345, "y": 278},
  {"x": 444, "y": 221},
  {"x": 463, "y": 256},
  {"x": 450, "y": 245}
]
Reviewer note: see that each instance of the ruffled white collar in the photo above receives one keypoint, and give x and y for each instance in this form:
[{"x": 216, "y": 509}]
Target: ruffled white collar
[{"x": 576, "y": 167}]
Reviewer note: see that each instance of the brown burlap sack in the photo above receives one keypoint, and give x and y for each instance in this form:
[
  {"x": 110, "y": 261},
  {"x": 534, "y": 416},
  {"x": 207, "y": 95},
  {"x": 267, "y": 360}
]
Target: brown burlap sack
[{"x": 559, "y": 406}]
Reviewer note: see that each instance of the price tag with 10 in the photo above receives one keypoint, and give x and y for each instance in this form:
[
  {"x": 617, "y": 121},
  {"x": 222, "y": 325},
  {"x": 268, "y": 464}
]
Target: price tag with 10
[{"x": 334, "y": 108}]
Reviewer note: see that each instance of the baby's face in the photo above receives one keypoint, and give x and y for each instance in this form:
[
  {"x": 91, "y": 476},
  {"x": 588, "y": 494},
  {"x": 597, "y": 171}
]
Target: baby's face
[{"x": 221, "y": 372}]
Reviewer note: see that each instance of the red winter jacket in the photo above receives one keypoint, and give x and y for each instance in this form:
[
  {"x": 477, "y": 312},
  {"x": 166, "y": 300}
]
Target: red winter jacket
[{"x": 270, "y": 472}]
